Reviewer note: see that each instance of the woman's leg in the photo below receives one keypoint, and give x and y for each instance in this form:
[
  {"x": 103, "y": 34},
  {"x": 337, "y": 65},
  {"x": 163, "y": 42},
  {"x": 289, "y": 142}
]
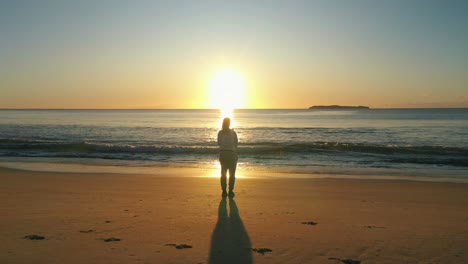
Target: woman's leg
[
  {"x": 224, "y": 169},
  {"x": 232, "y": 172}
]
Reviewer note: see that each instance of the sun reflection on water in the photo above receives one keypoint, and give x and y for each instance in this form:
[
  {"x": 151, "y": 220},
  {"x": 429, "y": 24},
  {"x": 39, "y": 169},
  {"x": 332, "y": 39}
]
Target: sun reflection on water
[
  {"x": 214, "y": 170},
  {"x": 223, "y": 113}
]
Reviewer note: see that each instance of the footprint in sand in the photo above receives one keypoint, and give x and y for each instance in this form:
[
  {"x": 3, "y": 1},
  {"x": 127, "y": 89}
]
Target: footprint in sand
[
  {"x": 34, "y": 237},
  {"x": 309, "y": 223},
  {"x": 372, "y": 226},
  {"x": 112, "y": 239},
  {"x": 346, "y": 261},
  {"x": 180, "y": 246},
  {"x": 87, "y": 231},
  {"x": 261, "y": 250}
]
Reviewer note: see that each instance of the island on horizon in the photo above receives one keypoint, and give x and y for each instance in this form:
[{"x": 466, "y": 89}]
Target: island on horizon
[{"x": 338, "y": 107}]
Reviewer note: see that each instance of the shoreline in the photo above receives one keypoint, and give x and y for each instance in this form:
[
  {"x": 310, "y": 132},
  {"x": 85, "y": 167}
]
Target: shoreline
[
  {"x": 212, "y": 170},
  {"x": 381, "y": 221}
]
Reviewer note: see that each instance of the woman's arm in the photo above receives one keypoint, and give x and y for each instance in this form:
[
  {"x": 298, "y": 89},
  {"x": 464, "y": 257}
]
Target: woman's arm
[{"x": 235, "y": 139}]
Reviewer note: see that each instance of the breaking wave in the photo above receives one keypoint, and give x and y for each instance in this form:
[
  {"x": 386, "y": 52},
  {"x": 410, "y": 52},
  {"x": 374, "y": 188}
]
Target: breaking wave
[{"x": 437, "y": 155}]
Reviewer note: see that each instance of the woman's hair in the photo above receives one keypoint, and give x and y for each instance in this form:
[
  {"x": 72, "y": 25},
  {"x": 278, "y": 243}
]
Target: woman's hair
[{"x": 226, "y": 123}]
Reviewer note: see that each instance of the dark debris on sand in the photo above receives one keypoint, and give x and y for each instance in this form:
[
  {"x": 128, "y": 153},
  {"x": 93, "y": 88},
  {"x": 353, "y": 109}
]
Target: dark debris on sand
[
  {"x": 347, "y": 261},
  {"x": 34, "y": 237},
  {"x": 111, "y": 239},
  {"x": 309, "y": 223},
  {"x": 180, "y": 246},
  {"x": 261, "y": 250}
]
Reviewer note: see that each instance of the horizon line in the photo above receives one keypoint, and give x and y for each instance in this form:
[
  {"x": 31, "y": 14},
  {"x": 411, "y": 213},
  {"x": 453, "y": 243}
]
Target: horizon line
[{"x": 307, "y": 108}]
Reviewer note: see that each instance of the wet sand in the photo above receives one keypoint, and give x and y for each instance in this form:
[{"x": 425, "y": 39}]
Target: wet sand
[{"x": 126, "y": 218}]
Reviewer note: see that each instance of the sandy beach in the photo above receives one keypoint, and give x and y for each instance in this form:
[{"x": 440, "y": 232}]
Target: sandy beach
[
  {"x": 125, "y": 218},
  {"x": 345, "y": 123}
]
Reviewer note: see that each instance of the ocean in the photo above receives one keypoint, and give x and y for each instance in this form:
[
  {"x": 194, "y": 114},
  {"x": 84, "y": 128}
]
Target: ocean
[{"x": 427, "y": 144}]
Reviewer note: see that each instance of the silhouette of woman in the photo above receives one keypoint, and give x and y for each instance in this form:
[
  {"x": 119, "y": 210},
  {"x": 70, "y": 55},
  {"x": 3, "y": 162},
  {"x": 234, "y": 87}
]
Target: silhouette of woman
[{"x": 227, "y": 141}]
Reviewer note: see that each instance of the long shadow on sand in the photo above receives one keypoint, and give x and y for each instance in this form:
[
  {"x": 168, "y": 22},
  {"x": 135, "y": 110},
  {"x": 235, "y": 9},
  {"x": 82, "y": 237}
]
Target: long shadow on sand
[{"x": 230, "y": 242}]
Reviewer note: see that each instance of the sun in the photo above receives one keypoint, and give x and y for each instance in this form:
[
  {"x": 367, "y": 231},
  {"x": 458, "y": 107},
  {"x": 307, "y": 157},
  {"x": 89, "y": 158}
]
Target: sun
[{"x": 227, "y": 91}]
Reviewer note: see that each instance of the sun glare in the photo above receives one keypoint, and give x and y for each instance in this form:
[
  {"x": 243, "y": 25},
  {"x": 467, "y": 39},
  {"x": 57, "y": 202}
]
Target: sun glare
[{"x": 227, "y": 91}]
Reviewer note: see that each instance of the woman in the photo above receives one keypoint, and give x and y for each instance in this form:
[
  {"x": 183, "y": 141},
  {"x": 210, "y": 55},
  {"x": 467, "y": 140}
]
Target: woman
[{"x": 227, "y": 141}]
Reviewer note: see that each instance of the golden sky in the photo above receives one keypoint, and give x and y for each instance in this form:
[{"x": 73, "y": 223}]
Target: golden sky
[{"x": 289, "y": 54}]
